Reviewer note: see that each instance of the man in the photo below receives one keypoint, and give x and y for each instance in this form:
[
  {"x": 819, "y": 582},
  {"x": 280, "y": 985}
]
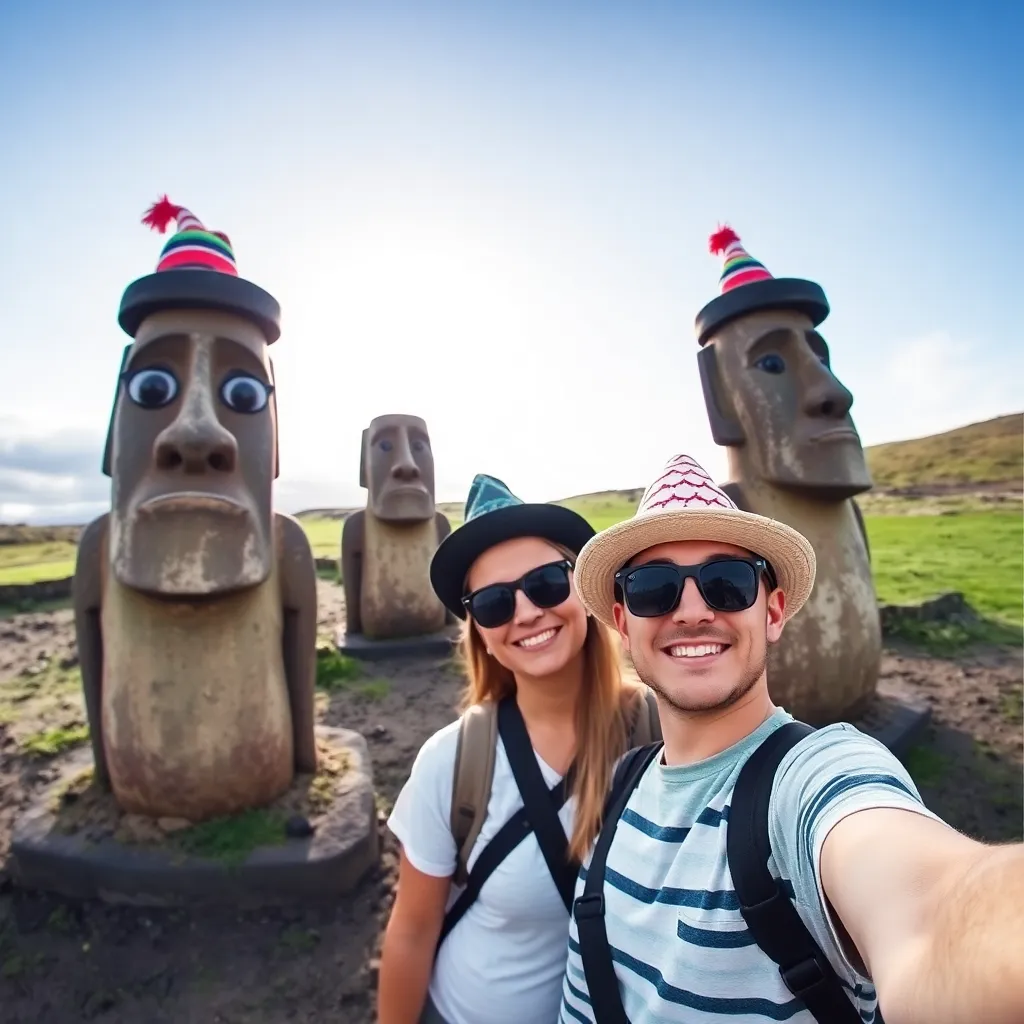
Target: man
[{"x": 916, "y": 920}]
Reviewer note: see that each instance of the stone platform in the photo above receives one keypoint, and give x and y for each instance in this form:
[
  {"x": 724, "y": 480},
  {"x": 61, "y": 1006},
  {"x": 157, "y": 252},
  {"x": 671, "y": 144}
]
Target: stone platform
[
  {"x": 427, "y": 646},
  {"x": 89, "y": 863},
  {"x": 894, "y": 719}
]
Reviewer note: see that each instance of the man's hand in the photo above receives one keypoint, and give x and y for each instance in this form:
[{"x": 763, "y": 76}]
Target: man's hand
[{"x": 934, "y": 916}]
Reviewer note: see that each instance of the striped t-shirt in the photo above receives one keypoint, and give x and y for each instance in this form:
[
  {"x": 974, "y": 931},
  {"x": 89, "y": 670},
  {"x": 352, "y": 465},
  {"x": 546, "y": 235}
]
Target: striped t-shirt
[{"x": 681, "y": 950}]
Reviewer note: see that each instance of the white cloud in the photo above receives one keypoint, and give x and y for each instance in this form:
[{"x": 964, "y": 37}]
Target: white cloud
[{"x": 931, "y": 384}]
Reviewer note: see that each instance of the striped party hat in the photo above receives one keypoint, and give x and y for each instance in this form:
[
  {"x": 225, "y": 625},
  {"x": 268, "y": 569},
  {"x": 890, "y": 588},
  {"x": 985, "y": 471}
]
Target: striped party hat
[
  {"x": 740, "y": 267},
  {"x": 192, "y": 246}
]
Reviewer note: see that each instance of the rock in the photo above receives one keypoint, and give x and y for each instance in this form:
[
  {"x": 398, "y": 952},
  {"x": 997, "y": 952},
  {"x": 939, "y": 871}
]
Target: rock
[
  {"x": 69, "y": 662},
  {"x": 298, "y": 826},
  {"x": 947, "y": 608},
  {"x": 378, "y": 732},
  {"x": 136, "y": 828},
  {"x": 173, "y": 824}
]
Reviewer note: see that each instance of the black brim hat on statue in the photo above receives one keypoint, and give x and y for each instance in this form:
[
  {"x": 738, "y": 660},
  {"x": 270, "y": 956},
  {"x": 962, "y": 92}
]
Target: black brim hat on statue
[{"x": 494, "y": 514}]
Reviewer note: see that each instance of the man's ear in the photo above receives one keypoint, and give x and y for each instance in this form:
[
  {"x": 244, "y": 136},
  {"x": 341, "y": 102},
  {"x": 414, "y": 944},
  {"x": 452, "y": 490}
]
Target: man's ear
[
  {"x": 109, "y": 443},
  {"x": 775, "y": 614},
  {"x": 725, "y": 430},
  {"x": 619, "y": 616},
  {"x": 362, "y": 458}
]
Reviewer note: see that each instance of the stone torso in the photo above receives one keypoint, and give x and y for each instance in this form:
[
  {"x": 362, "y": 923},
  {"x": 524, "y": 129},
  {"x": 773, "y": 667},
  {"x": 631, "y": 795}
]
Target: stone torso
[
  {"x": 195, "y": 708},
  {"x": 825, "y": 667},
  {"x": 396, "y": 598}
]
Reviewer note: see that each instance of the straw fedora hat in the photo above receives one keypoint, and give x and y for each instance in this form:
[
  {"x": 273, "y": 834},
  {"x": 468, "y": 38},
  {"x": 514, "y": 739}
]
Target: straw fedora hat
[{"x": 684, "y": 504}]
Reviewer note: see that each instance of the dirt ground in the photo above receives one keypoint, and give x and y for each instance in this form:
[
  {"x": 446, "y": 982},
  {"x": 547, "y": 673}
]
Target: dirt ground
[{"x": 62, "y": 961}]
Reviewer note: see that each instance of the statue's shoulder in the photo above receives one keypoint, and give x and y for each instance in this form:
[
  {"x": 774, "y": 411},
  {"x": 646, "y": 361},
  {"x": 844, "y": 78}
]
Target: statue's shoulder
[{"x": 735, "y": 492}]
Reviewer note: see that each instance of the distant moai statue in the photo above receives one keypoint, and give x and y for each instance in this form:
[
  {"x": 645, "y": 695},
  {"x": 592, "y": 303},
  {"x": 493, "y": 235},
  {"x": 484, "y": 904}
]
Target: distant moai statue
[
  {"x": 386, "y": 548},
  {"x": 794, "y": 455},
  {"x": 195, "y": 604}
]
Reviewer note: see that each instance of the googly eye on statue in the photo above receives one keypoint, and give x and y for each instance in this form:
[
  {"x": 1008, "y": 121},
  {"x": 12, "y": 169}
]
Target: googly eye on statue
[
  {"x": 244, "y": 393},
  {"x": 151, "y": 387}
]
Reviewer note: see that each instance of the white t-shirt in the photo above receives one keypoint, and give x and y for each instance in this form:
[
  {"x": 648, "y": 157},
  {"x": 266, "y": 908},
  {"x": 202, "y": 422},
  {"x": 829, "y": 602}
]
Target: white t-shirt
[{"x": 505, "y": 959}]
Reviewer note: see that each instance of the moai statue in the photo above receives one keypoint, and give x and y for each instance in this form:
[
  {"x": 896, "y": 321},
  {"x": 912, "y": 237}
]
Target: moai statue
[
  {"x": 195, "y": 604},
  {"x": 794, "y": 455},
  {"x": 386, "y": 548}
]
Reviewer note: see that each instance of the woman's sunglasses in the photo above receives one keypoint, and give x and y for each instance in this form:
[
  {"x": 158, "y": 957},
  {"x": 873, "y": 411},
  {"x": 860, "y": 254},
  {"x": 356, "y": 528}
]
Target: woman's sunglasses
[
  {"x": 725, "y": 585},
  {"x": 495, "y": 604}
]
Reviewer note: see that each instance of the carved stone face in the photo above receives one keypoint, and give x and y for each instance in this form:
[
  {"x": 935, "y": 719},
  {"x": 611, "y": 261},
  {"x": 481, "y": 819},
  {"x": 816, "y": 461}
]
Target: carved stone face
[
  {"x": 193, "y": 453},
  {"x": 775, "y": 394},
  {"x": 397, "y": 468}
]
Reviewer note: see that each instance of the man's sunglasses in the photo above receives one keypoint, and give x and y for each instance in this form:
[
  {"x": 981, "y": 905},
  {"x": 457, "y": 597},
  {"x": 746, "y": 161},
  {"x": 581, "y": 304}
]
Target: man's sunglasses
[
  {"x": 495, "y": 604},
  {"x": 725, "y": 585}
]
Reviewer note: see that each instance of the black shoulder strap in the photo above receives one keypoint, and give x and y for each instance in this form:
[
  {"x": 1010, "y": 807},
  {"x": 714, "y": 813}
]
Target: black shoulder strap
[
  {"x": 588, "y": 909},
  {"x": 770, "y": 915},
  {"x": 540, "y": 811},
  {"x": 507, "y": 838}
]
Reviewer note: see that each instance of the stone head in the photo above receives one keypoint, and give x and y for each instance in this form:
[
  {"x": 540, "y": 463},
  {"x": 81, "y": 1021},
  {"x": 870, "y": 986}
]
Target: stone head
[
  {"x": 768, "y": 383},
  {"x": 397, "y": 469},
  {"x": 192, "y": 455},
  {"x": 769, "y": 386}
]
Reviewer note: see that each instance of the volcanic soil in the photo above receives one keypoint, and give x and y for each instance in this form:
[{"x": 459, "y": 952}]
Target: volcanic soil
[{"x": 64, "y": 961}]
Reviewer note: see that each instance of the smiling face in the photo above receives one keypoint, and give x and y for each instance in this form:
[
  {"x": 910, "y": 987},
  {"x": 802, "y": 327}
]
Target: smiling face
[
  {"x": 697, "y": 659},
  {"x": 193, "y": 457},
  {"x": 536, "y": 642},
  {"x": 397, "y": 468},
  {"x": 774, "y": 381}
]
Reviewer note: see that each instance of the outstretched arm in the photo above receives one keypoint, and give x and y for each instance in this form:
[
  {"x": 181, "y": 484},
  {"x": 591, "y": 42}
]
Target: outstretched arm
[
  {"x": 86, "y": 594},
  {"x": 935, "y": 916},
  {"x": 299, "y": 600},
  {"x": 352, "y": 568}
]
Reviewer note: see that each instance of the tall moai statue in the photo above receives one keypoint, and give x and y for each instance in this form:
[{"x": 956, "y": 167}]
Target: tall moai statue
[
  {"x": 386, "y": 548},
  {"x": 195, "y": 604},
  {"x": 794, "y": 455}
]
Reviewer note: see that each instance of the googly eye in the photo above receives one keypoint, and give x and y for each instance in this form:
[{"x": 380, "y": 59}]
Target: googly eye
[
  {"x": 245, "y": 394},
  {"x": 151, "y": 388}
]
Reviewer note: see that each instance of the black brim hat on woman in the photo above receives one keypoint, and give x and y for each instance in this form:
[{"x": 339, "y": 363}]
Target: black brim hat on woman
[{"x": 494, "y": 514}]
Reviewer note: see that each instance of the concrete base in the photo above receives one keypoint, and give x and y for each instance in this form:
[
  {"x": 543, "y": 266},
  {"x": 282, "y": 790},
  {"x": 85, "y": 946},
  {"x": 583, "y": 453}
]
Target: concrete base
[
  {"x": 430, "y": 645},
  {"x": 329, "y": 863},
  {"x": 893, "y": 720}
]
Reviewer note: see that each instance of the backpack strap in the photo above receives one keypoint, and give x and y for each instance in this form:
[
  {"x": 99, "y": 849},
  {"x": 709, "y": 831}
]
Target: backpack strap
[
  {"x": 646, "y": 721},
  {"x": 588, "y": 909},
  {"x": 769, "y": 913},
  {"x": 540, "y": 811},
  {"x": 474, "y": 772},
  {"x": 507, "y": 838}
]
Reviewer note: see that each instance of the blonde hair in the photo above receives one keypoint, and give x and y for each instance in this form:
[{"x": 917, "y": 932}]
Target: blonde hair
[{"x": 606, "y": 702}]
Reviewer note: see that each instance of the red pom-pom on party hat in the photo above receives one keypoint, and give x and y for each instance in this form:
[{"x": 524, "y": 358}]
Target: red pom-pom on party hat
[
  {"x": 740, "y": 267},
  {"x": 192, "y": 246}
]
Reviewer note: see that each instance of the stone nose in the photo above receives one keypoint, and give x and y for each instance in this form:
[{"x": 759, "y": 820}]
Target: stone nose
[
  {"x": 824, "y": 396},
  {"x": 197, "y": 447}
]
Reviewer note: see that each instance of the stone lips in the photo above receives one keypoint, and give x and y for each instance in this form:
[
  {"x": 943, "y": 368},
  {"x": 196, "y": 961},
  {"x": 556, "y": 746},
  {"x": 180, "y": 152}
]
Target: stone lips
[{"x": 684, "y": 504}]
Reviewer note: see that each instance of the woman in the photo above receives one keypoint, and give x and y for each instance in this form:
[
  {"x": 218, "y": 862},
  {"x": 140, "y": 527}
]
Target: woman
[{"x": 546, "y": 675}]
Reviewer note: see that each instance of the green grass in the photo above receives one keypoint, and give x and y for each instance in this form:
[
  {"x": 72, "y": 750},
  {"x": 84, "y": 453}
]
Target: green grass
[
  {"x": 980, "y": 554},
  {"x": 335, "y": 671},
  {"x": 324, "y": 536},
  {"x": 989, "y": 452},
  {"x": 51, "y": 742},
  {"x": 231, "y": 840},
  {"x": 33, "y": 563},
  {"x": 926, "y": 765}
]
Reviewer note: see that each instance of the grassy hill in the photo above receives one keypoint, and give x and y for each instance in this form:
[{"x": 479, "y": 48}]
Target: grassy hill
[{"x": 978, "y": 455}]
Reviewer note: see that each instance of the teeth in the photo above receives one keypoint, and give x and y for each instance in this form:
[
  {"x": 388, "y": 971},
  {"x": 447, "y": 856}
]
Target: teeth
[
  {"x": 533, "y": 641},
  {"x": 695, "y": 650}
]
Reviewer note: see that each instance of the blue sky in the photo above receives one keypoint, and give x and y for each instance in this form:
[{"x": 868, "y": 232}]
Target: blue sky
[{"x": 496, "y": 216}]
